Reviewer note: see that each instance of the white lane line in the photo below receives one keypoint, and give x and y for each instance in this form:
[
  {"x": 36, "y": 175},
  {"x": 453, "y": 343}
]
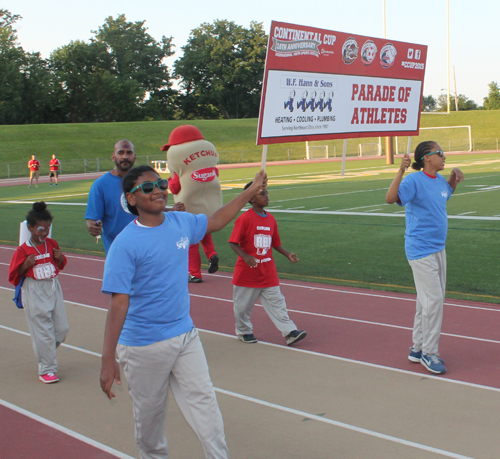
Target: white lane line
[
  {"x": 310, "y": 415},
  {"x": 69, "y": 346},
  {"x": 350, "y": 319},
  {"x": 467, "y": 213},
  {"x": 71, "y": 433},
  {"x": 362, "y": 207},
  {"x": 291, "y": 349},
  {"x": 343, "y": 425},
  {"x": 334, "y": 212},
  {"x": 333, "y": 290},
  {"x": 49, "y": 202}
]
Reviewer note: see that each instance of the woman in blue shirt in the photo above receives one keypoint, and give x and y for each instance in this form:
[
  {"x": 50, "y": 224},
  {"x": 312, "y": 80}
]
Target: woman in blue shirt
[{"x": 425, "y": 195}]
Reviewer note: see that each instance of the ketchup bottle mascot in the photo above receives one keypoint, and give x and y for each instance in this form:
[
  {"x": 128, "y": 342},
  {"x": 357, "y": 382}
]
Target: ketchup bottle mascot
[{"x": 194, "y": 180}]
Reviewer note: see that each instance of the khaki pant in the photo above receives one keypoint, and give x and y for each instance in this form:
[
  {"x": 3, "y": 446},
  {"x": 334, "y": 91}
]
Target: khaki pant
[
  {"x": 180, "y": 363},
  {"x": 429, "y": 274},
  {"x": 273, "y": 303},
  {"x": 46, "y": 316}
]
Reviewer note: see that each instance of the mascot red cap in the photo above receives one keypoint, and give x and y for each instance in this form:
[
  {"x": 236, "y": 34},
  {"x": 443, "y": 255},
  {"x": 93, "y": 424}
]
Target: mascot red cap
[{"x": 182, "y": 134}]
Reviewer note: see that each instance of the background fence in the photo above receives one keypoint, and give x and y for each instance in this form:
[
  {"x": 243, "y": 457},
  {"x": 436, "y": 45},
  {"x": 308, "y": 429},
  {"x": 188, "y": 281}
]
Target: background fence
[{"x": 369, "y": 147}]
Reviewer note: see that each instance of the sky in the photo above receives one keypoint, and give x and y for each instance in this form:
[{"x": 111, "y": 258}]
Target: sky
[{"x": 49, "y": 25}]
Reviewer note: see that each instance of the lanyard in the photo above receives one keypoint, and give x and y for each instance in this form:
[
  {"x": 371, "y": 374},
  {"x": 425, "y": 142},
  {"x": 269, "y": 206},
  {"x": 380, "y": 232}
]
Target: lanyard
[{"x": 32, "y": 245}]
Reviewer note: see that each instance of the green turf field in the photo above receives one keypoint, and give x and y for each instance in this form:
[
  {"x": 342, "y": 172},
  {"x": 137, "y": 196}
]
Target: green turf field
[
  {"x": 88, "y": 147},
  {"x": 341, "y": 228}
]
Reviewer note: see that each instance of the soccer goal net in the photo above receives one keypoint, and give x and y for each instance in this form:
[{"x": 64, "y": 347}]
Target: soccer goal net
[
  {"x": 370, "y": 149},
  {"x": 450, "y": 138},
  {"x": 317, "y": 151}
]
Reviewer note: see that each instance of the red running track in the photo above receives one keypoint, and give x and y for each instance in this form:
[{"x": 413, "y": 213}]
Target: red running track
[{"x": 363, "y": 325}]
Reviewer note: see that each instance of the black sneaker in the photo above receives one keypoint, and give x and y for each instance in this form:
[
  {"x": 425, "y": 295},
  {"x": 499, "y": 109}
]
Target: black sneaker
[
  {"x": 295, "y": 336},
  {"x": 213, "y": 264},
  {"x": 195, "y": 280},
  {"x": 247, "y": 338}
]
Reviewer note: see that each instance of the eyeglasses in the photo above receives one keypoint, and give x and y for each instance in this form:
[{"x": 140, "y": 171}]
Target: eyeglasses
[
  {"x": 148, "y": 187},
  {"x": 439, "y": 152}
]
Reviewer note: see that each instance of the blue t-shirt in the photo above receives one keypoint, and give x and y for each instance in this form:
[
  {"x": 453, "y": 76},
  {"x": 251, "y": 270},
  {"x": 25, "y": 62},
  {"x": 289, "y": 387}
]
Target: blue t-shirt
[
  {"x": 426, "y": 219},
  {"x": 107, "y": 203},
  {"x": 151, "y": 265}
]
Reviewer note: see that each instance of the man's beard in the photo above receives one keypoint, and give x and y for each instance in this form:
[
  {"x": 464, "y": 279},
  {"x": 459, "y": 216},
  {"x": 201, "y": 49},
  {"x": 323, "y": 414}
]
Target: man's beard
[{"x": 124, "y": 166}]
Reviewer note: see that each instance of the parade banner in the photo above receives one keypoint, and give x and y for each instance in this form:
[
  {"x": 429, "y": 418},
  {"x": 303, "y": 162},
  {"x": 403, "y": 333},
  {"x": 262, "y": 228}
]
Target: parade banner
[{"x": 320, "y": 84}]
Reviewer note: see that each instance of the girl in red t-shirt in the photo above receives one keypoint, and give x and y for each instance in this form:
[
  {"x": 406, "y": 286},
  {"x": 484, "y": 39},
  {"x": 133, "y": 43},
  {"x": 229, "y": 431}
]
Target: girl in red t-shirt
[{"x": 36, "y": 263}]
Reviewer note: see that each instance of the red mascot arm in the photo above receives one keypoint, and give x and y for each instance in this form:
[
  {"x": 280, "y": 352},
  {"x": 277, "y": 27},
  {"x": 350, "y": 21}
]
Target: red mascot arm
[{"x": 174, "y": 184}]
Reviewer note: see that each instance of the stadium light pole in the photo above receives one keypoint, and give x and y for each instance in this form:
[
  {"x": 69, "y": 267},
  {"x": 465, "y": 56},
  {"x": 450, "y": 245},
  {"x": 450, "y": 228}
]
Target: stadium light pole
[
  {"x": 448, "y": 48},
  {"x": 389, "y": 153}
]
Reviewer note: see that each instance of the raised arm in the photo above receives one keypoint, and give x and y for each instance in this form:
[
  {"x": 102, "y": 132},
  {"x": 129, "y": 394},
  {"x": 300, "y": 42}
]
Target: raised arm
[
  {"x": 392, "y": 193},
  {"x": 225, "y": 214},
  {"x": 110, "y": 370}
]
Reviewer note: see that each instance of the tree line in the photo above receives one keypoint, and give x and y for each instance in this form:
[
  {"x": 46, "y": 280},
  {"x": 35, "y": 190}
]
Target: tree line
[
  {"x": 492, "y": 102},
  {"x": 120, "y": 74}
]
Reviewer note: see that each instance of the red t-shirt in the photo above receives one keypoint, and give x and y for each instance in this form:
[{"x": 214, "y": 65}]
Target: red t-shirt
[
  {"x": 256, "y": 235},
  {"x": 33, "y": 164},
  {"x": 25, "y": 250},
  {"x": 54, "y": 164}
]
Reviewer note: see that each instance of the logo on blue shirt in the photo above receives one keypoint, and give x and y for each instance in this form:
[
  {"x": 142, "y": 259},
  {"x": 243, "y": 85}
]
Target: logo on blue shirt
[{"x": 183, "y": 243}]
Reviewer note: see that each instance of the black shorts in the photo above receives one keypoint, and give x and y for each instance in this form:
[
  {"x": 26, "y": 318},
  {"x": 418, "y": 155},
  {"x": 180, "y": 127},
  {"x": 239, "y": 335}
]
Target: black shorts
[{"x": 54, "y": 174}]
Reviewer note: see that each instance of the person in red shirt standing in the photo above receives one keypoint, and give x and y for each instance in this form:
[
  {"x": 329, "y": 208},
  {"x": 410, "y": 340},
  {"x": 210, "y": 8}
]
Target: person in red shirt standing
[
  {"x": 35, "y": 265},
  {"x": 254, "y": 235},
  {"x": 33, "y": 165},
  {"x": 54, "y": 164}
]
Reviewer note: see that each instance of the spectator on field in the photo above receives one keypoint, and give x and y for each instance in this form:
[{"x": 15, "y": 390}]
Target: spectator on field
[
  {"x": 54, "y": 164},
  {"x": 33, "y": 165}
]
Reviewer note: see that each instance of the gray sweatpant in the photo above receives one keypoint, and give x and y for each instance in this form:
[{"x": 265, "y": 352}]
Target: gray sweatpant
[
  {"x": 46, "y": 316},
  {"x": 429, "y": 274},
  {"x": 180, "y": 363},
  {"x": 273, "y": 303}
]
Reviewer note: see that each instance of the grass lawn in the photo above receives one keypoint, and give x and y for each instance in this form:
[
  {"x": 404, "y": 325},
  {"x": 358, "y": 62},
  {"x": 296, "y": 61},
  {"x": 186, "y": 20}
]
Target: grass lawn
[
  {"x": 81, "y": 146},
  {"x": 360, "y": 247}
]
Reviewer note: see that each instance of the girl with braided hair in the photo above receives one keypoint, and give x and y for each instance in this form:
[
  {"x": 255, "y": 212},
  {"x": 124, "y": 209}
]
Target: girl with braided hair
[{"x": 425, "y": 194}]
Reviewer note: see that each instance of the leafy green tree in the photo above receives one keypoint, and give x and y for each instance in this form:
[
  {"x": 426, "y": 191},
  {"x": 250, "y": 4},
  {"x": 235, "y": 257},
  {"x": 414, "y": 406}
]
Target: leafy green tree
[
  {"x": 83, "y": 71},
  {"x": 11, "y": 78},
  {"x": 221, "y": 70},
  {"x": 137, "y": 57},
  {"x": 492, "y": 102},
  {"x": 428, "y": 104},
  {"x": 42, "y": 97},
  {"x": 464, "y": 103}
]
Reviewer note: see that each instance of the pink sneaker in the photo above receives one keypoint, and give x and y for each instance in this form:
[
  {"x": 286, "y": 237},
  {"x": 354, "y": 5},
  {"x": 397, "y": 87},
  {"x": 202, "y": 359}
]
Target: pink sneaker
[{"x": 48, "y": 378}]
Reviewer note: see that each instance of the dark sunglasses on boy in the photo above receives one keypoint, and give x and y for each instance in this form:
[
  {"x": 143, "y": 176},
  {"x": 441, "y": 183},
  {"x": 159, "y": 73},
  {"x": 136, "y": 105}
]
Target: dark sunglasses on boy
[
  {"x": 439, "y": 152},
  {"x": 148, "y": 187}
]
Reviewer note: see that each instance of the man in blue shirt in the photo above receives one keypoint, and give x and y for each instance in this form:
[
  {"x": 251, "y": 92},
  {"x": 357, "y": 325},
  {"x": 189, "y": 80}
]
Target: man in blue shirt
[{"x": 107, "y": 213}]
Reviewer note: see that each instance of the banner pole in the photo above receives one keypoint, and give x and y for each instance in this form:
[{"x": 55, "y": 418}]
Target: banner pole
[
  {"x": 344, "y": 154},
  {"x": 264, "y": 157}
]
